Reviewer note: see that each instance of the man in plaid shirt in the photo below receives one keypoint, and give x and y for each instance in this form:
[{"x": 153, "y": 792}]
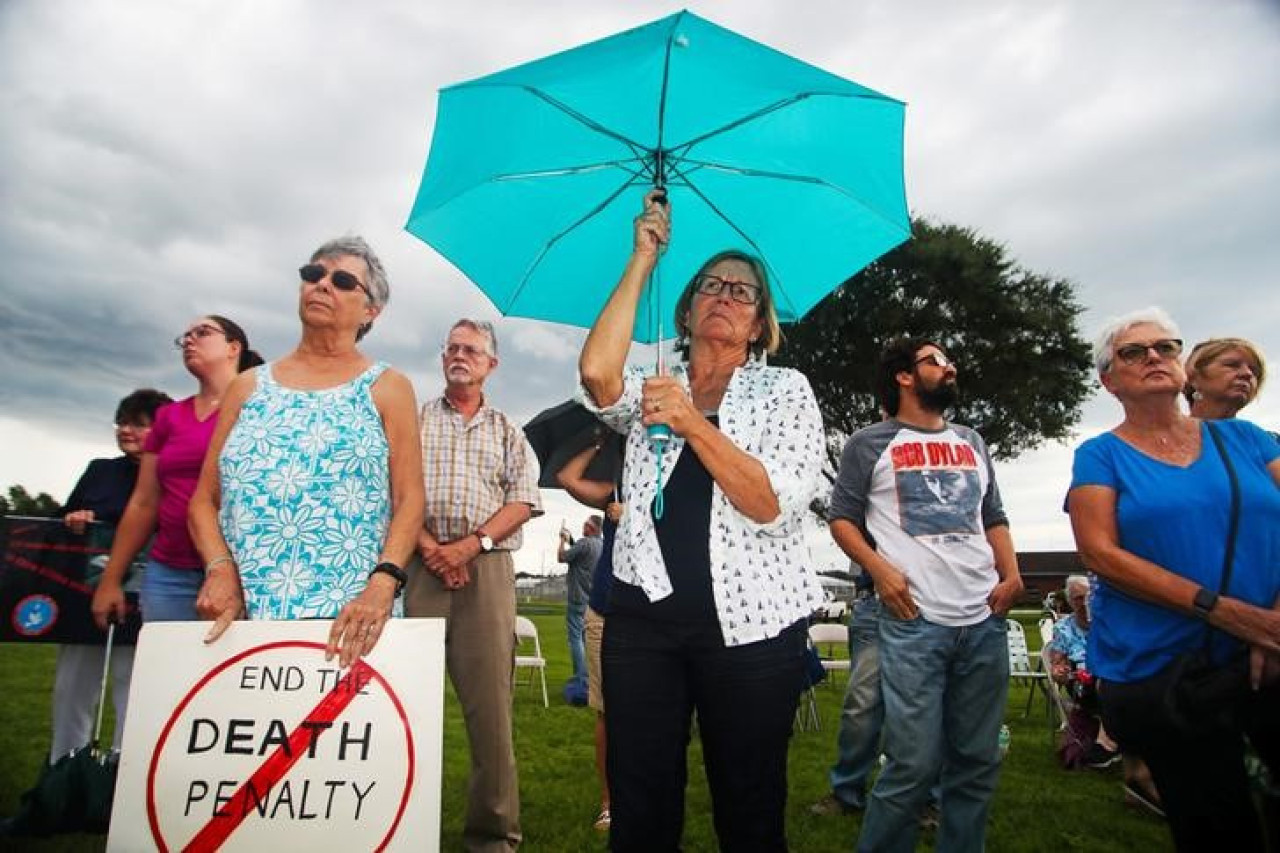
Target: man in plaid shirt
[{"x": 482, "y": 485}]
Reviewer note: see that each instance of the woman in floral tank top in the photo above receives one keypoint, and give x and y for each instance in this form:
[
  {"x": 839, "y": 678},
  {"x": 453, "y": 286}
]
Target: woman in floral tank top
[{"x": 311, "y": 496}]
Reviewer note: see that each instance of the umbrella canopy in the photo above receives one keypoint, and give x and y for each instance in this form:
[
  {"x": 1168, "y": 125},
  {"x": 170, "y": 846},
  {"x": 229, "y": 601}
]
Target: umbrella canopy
[
  {"x": 536, "y": 172},
  {"x": 561, "y": 432}
]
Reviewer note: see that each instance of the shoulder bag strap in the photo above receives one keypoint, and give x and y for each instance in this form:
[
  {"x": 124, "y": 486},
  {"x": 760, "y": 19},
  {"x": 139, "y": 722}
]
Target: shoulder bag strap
[{"x": 1229, "y": 557}]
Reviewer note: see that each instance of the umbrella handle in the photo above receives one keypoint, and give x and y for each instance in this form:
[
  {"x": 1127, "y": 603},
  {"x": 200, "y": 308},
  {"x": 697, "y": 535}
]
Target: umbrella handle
[{"x": 102, "y": 689}]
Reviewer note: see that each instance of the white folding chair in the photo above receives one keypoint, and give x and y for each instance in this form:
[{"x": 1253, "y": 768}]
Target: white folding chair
[
  {"x": 1061, "y": 703},
  {"x": 526, "y": 631},
  {"x": 826, "y": 638},
  {"x": 1020, "y": 668}
]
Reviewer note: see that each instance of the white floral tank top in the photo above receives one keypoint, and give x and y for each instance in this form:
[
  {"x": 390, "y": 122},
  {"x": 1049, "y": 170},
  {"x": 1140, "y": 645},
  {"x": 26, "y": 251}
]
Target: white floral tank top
[{"x": 306, "y": 495}]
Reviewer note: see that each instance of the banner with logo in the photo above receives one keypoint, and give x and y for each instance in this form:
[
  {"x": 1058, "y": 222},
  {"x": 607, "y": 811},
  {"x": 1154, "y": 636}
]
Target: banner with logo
[{"x": 47, "y": 578}]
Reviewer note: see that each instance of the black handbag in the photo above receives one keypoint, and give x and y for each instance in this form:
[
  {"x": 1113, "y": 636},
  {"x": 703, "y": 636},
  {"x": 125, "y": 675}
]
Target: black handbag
[{"x": 1200, "y": 695}]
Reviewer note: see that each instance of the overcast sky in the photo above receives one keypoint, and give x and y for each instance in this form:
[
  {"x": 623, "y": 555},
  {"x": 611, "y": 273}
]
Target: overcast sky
[{"x": 162, "y": 160}]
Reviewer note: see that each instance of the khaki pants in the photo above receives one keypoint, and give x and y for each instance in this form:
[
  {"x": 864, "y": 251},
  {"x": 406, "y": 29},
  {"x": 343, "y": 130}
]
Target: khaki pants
[{"x": 480, "y": 655}]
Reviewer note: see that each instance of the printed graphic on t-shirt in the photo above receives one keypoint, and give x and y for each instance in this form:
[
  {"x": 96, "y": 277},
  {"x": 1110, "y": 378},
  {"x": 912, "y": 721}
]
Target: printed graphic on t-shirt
[{"x": 939, "y": 491}]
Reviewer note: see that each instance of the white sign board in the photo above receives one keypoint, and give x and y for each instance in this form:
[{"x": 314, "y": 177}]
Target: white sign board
[{"x": 257, "y": 743}]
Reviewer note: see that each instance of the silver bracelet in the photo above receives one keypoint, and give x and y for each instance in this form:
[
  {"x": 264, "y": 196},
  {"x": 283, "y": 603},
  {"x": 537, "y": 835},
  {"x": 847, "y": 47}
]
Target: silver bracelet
[{"x": 225, "y": 558}]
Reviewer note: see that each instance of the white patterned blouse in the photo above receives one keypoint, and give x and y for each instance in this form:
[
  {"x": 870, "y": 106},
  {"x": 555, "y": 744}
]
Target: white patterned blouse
[{"x": 762, "y": 576}]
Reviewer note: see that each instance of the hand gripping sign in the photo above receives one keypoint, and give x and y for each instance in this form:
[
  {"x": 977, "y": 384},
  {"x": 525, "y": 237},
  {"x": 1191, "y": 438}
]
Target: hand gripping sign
[{"x": 257, "y": 743}]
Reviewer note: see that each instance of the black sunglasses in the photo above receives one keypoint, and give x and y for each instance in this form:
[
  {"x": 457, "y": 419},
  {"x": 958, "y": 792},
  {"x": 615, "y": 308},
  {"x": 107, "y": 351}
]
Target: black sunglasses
[{"x": 342, "y": 280}]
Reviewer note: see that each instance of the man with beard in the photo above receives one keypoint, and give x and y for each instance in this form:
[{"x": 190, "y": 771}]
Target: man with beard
[
  {"x": 915, "y": 503},
  {"x": 482, "y": 485}
]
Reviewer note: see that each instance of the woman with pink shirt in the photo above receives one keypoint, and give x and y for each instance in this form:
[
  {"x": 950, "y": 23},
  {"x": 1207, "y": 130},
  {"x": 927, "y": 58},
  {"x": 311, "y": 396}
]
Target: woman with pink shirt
[{"x": 214, "y": 351}]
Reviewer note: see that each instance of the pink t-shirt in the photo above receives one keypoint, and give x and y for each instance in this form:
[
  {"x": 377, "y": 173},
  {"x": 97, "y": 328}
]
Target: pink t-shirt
[{"x": 179, "y": 441}]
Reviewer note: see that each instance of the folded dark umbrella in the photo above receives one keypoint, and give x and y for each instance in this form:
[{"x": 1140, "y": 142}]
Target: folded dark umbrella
[
  {"x": 74, "y": 793},
  {"x": 561, "y": 432}
]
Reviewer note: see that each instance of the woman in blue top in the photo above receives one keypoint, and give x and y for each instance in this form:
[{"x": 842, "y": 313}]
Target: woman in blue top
[
  {"x": 310, "y": 498},
  {"x": 1150, "y": 506}
]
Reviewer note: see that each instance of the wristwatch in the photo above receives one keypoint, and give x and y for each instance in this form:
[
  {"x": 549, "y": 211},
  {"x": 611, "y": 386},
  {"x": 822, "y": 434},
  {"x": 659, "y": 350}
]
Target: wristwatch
[
  {"x": 395, "y": 572},
  {"x": 1204, "y": 602},
  {"x": 486, "y": 544}
]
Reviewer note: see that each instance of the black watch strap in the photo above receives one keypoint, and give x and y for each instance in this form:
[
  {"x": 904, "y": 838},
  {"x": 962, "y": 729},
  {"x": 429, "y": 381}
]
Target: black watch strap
[
  {"x": 1204, "y": 602},
  {"x": 395, "y": 572}
]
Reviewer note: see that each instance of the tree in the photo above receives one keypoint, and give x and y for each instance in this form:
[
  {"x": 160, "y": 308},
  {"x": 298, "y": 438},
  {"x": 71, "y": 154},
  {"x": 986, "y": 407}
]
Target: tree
[
  {"x": 1023, "y": 366},
  {"x": 20, "y": 502}
]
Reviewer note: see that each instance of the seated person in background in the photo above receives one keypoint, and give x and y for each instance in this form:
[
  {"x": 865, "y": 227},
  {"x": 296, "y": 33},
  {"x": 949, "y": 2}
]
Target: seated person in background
[{"x": 1067, "y": 661}]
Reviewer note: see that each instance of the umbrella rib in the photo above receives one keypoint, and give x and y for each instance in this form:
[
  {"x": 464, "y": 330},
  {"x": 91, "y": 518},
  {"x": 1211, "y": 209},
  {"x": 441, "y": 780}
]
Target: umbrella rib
[
  {"x": 581, "y": 169},
  {"x": 787, "y": 176},
  {"x": 551, "y": 242},
  {"x": 764, "y": 111},
  {"x": 637, "y": 148}
]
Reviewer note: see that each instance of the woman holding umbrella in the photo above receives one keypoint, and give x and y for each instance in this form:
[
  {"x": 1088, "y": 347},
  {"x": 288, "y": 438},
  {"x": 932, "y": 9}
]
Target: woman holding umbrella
[{"x": 711, "y": 589}]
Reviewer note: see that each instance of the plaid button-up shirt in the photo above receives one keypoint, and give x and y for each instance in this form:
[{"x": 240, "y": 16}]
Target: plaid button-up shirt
[{"x": 471, "y": 469}]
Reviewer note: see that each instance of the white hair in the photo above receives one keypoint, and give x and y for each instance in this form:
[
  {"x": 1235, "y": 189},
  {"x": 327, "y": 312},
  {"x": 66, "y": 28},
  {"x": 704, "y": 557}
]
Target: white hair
[
  {"x": 484, "y": 327},
  {"x": 1104, "y": 343},
  {"x": 1076, "y": 580}
]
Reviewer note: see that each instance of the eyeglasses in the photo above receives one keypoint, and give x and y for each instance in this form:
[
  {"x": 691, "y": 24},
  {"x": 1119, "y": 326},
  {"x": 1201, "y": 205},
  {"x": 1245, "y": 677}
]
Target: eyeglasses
[
  {"x": 937, "y": 358},
  {"x": 739, "y": 291},
  {"x": 197, "y": 333},
  {"x": 1166, "y": 348},
  {"x": 341, "y": 279},
  {"x": 467, "y": 350}
]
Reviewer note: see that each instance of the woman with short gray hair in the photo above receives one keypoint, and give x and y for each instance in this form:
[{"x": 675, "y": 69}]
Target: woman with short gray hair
[
  {"x": 1184, "y": 642},
  {"x": 311, "y": 495}
]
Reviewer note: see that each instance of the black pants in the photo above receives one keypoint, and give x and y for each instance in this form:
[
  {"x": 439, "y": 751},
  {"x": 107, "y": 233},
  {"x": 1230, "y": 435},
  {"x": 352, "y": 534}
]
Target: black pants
[
  {"x": 655, "y": 675},
  {"x": 1201, "y": 777}
]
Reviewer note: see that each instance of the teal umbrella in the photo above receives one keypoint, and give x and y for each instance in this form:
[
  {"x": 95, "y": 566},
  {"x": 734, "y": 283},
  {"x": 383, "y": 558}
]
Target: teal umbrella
[{"x": 536, "y": 172}]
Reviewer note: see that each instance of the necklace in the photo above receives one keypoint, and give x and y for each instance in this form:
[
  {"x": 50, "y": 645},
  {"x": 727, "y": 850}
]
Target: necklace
[{"x": 1178, "y": 444}]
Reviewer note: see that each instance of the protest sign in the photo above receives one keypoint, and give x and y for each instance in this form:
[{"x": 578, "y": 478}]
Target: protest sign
[
  {"x": 257, "y": 743},
  {"x": 47, "y": 578}
]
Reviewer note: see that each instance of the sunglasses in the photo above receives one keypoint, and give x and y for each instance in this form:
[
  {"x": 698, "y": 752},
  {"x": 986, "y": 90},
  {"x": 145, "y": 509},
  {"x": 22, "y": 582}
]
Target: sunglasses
[
  {"x": 197, "y": 333},
  {"x": 937, "y": 359},
  {"x": 1167, "y": 348},
  {"x": 341, "y": 279},
  {"x": 739, "y": 291}
]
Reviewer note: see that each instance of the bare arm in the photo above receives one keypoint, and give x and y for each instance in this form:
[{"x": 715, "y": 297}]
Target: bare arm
[
  {"x": 135, "y": 528},
  {"x": 221, "y": 598},
  {"x": 741, "y": 477},
  {"x": 1009, "y": 589},
  {"x": 572, "y": 478},
  {"x": 359, "y": 624},
  {"x": 393, "y": 395},
  {"x": 1093, "y": 520},
  {"x": 202, "y": 511},
  {"x": 605, "y": 352},
  {"x": 891, "y": 583}
]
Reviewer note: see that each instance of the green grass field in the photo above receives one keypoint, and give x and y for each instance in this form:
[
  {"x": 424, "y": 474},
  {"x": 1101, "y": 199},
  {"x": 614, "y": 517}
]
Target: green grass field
[{"x": 1038, "y": 806}]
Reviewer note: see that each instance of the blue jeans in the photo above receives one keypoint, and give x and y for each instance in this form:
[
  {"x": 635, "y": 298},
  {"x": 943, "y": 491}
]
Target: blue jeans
[
  {"x": 944, "y": 696},
  {"x": 168, "y": 594},
  {"x": 574, "y": 616},
  {"x": 858, "y": 742}
]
